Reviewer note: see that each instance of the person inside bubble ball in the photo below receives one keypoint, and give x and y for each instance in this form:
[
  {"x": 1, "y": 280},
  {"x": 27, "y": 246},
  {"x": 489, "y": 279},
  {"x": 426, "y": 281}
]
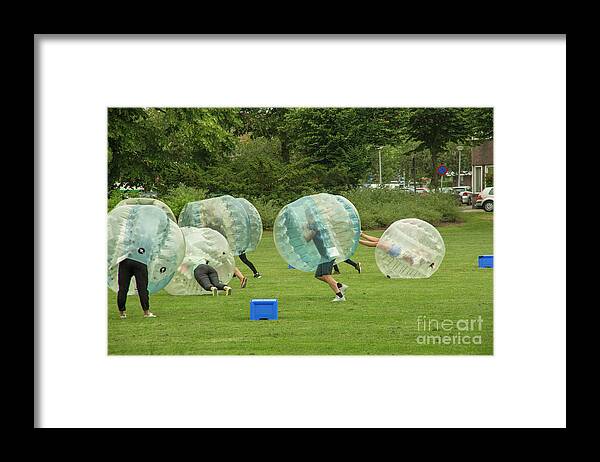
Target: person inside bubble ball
[
  {"x": 127, "y": 269},
  {"x": 207, "y": 277},
  {"x": 313, "y": 232},
  {"x": 218, "y": 225},
  {"x": 394, "y": 250}
]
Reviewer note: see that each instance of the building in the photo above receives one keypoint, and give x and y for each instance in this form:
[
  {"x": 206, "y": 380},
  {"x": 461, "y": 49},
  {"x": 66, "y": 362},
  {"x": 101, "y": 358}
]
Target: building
[{"x": 482, "y": 162}]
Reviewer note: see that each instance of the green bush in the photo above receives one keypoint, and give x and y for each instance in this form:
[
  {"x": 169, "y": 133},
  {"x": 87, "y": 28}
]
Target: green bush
[
  {"x": 176, "y": 198},
  {"x": 117, "y": 195},
  {"x": 268, "y": 210},
  {"x": 379, "y": 208}
]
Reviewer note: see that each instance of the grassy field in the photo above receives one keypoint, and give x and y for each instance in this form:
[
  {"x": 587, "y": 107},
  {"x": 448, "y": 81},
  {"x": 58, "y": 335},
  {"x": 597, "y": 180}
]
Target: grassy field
[{"x": 380, "y": 317}]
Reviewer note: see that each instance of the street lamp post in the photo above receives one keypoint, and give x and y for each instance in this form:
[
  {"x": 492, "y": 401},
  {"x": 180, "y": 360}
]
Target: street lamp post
[
  {"x": 379, "y": 149},
  {"x": 460, "y": 148}
]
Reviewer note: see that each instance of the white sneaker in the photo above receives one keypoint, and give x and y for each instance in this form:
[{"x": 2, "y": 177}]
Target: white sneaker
[
  {"x": 123, "y": 316},
  {"x": 227, "y": 290},
  {"x": 150, "y": 315},
  {"x": 339, "y": 299},
  {"x": 214, "y": 291},
  {"x": 344, "y": 288}
]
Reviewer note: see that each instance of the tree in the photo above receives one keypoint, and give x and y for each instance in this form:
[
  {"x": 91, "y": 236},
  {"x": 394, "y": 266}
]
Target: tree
[
  {"x": 159, "y": 148},
  {"x": 269, "y": 122},
  {"x": 434, "y": 128},
  {"x": 341, "y": 140}
]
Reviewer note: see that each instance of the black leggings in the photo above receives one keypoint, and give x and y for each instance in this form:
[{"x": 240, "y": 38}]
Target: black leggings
[
  {"x": 350, "y": 262},
  {"x": 208, "y": 277},
  {"x": 248, "y": 263},
  {"x": 128, "y": 269}
]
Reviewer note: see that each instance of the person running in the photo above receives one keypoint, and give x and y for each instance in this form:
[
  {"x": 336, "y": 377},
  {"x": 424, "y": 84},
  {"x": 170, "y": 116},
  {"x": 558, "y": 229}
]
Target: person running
[
  {"x": 356, "y": 265},
  {"x": 127, "y": 269},
  {"x": 250, "y": 265},
  {"x": 393, "y": 250},
  {"x": 323, "y": 272},
  {"x": 208, "y": 278}
]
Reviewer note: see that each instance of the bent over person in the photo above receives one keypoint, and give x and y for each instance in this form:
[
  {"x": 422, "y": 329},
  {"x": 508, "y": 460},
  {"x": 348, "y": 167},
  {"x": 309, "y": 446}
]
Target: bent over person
[
  {"x": 208, "y": 278},
  {"x": 127, "y": 269}
]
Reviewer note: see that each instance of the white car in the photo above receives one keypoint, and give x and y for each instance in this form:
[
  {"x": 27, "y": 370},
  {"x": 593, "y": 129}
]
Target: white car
[
  {"x": 485, "y": 199},
  {"x": 464, "y": 193}
]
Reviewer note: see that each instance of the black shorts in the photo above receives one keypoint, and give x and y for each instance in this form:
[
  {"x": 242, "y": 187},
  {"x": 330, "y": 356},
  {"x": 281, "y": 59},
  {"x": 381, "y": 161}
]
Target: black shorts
[{"x": 324, "y": 269}]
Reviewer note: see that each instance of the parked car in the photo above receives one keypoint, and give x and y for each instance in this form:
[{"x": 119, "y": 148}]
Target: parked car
[
  {"x": 485, "y": 199},
  {"x": 463, "y": 193},
  {"x": 422, "y": 190}
]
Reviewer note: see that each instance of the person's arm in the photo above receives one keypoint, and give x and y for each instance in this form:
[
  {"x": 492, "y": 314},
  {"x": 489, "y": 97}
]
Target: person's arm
[{"x": 309, "y": 234}]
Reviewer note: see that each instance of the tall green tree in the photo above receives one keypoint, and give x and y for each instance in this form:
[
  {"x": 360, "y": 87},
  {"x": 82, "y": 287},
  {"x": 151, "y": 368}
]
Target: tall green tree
[
  {"x": 159, "y": 148},
  {"x": 340, "y": 140},
  {"x": 270, "y": 123},
  {"x": 434, "y": 128}
]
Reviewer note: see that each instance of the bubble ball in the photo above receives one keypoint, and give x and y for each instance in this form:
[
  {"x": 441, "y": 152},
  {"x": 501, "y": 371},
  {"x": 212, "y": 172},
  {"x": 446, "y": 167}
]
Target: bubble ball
[
  {"x": 410, "y": 249},
  {"x": 202, "y": 246},
  {"x": 256, "y": 227},
  {"x": 149, "y": 201},
  {"x": 145, "y": 234},
  {"x": 335, "y": 221},
  {"x": 224, "y": 214}
]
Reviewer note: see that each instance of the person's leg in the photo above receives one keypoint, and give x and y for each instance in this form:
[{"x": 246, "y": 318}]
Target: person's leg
[
  {"x": 352, "y": 263},
  {"x": 124, "y": 279},
  {"x": 201, "y": 275},
  {"x": 367, "y": 243},
  {"x": 369, "y": 238},
  {"x": 323, "y": 273},
  {"x": 214, "y": 279},
  {"x": 328, "y": 279},
  {"x": 356, "y": 265},
  {"x": 141, "y": 281},
  {"x": 248, "y": 263},
  {"x": 336, "y": 269},
  {"x": 243, "y": 279}
]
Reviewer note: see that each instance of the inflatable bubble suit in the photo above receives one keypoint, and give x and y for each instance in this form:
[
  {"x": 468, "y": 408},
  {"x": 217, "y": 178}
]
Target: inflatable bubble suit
[
  {"x": 202, "y": 246},
  {"x": 410, "y": 248},
  {"x": 256, "y": 226},
  {"x": 144, "y": 233},
  {"x": 224, "y": 214},
  {"x": 148, "y": 201},
  {"x": 316, "y": 229}
]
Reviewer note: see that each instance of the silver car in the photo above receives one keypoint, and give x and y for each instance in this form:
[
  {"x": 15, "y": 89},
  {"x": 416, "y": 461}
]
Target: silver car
[{"x": 485, "y": 199}]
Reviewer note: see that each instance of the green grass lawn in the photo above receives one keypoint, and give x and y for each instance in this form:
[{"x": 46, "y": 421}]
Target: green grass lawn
[{"x": 381, "y": 316}]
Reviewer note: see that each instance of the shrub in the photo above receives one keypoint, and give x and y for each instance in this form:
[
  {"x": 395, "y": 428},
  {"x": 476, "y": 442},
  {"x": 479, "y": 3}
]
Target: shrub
[
  {"x": 379, "y": 208},
  {"x": 117, "y": 195},
  {"x": 176, "y": 198},
  {"x": 268, "y": 210}
]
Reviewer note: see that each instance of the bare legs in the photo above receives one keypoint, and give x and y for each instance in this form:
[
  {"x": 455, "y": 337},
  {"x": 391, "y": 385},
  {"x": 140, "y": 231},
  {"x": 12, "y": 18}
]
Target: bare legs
[
  {"x": 367, "y": 243},
  {"x": 331, "y": 282},
  {"x": 243, "y": 279},
  {"x": 369, "y": 238}
]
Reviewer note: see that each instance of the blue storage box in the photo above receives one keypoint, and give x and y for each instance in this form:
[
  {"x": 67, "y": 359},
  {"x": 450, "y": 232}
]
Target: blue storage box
[
  {"x": 486, "y": 261},
  {"x": 263, "y": 308}
]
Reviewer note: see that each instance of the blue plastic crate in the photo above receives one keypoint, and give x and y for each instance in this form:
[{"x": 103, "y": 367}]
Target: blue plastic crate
[
  {"x": 263, "y": 308},
  {"x": 486, "y": 261}
]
